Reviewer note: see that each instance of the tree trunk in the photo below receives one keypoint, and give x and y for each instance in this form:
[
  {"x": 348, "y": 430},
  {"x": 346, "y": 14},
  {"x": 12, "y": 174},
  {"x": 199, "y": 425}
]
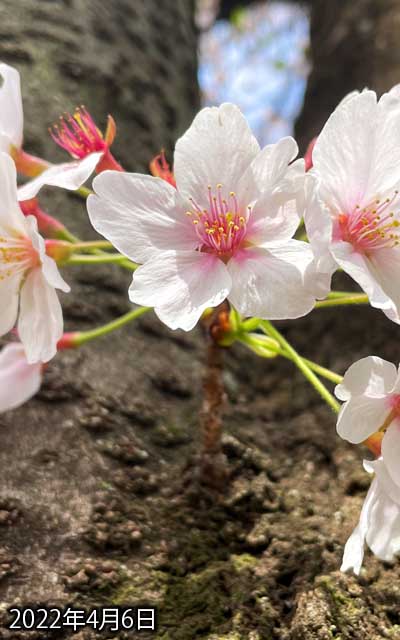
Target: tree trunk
[
  {"x": 133, "y": 59},
  {"x": 353, "y": 45}
]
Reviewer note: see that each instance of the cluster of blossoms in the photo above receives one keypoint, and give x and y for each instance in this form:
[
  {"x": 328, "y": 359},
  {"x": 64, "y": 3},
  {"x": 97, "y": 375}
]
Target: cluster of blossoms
[{"x": 220, "y": 227}]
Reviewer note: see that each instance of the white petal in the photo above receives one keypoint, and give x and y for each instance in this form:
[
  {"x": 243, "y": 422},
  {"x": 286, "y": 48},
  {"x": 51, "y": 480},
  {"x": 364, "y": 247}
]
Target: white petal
[
  {"x": 384, "y": 266},
  {"x": 9, "y": 296},
  {"x": 361, "y": 416},
  {"x": 270, "y": 283},
  {"x": 11, "y": 114},
  {"x": 317, "y": 219},
  {"x": 366, "y": 275},
  {"x": 181, "y": 285},
  {"x": 40, "y": 323},
  {"x": 69, "y": 175},
  {"x": 140, "y": 215},
  {"x": 270, "y": 169},
  {"x": 49, "y": 266},
  {"x": 12, "y": 220},
  {"x": 5, "y": 144},
  {"x": 19, "y": 381},
  {"x": 274, "y": 218},
  {"x": 357, "y": 154},
  {"x": 371, "y": 376},
  {"x": 391, "y": 451},
  {"x": 217, "y": 148},
  {"x": 383, "y": 536},
  {"x": 354, "y": 549}
]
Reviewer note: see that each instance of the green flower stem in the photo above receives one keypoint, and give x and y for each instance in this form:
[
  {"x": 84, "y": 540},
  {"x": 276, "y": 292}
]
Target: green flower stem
[
  {"x": 89, "y": 246},
  {"x": 323, "y": 371},
  {"x": 245, "y": 338},
  {"x": 301, "y": 364},
  {"x": 356, "y": 298},
  {"x": 100, "y": 258},
  {"x": 85, "y": 336}
]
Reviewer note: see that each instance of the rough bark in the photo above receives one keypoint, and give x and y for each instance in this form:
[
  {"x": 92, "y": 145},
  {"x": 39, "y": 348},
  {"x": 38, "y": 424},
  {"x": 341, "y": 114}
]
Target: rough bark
[
  {"x": 134, "y": 59},
  {"x": 353, "y": 45}
]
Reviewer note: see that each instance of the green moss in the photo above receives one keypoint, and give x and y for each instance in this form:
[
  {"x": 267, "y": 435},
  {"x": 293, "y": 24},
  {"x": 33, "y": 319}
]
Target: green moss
[
  {"x": 140, "y": 587},
  {"x": 243, "y": 561}
]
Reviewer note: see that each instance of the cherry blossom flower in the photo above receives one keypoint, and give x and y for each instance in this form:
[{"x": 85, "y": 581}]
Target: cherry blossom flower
[
  {"x": 19, "y": 380},
  {"x": 79, "y": 135},
  {"x": 371, "y": 394},
  {"x": 70, "y": 175},
  {"x": 225, "y": 231},
  {"x": 354, "y": 220},
  {"x": 379, "y": 524},
  {"x": 28, "y": 277}
]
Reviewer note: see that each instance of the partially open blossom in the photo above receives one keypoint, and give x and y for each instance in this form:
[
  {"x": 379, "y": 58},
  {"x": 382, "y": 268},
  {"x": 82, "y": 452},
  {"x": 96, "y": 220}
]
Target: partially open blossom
[
  {"x": 28, "y": 277},
  {"x": 371, "y": 392},
  {"x": 354, "y": 220},
  {"x": 379, "y": 524},
  {"x": 19, "y": 380},
  {"x": 224, "y": 232},
  {"x": 47, "y": 225},
  {"x": 159, "y": 168},
  {"x": 79, "y": 135},
  {"x": 69, "y": 175}
]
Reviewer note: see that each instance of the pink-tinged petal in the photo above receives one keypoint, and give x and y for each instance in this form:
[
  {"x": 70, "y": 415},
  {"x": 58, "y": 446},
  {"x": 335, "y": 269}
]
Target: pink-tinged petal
[
  {"x": 49, "y": 266},
  {"x": 40, "y": 322},
  {"x": 69, "y": 175},
  {"x": 140, "y": 215},
  {"x": 354, "y": 550},
  {"x": 274, "y": 218},
  {"x": 19, "y": 381},
  {"x": 11, "y": 113},
  {"x": 391, "y": 451},
  {"x": 181, "y": 285},
  {"x": 369, "y": 376},
  {"x": 216, "y": 149},
  {"x": 9, "y": 296},
  {"x": 361, "y": 416},
  {"x": 270, "y": 168},
  {"x": 343, "y": 151},
  {"x": 366, "y": 274},
  {"x": 357, "y": 154},
  {"x": 12, "y": 220},
  {"x": 271, "y": 283}
]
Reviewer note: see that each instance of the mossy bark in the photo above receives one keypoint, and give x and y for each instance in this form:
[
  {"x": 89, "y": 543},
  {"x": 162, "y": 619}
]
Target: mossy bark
[{"x": 134, "y": 59}]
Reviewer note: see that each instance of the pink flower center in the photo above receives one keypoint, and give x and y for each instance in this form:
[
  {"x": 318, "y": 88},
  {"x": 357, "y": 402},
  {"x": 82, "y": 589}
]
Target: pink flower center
[
  {"x": 78, "y": 134},
  {"x": 17, "y": 255},
  {"x": 395, "y": 404},
  {"x": 221, "y": 227},
  {"x": 372, "y": 227}
]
